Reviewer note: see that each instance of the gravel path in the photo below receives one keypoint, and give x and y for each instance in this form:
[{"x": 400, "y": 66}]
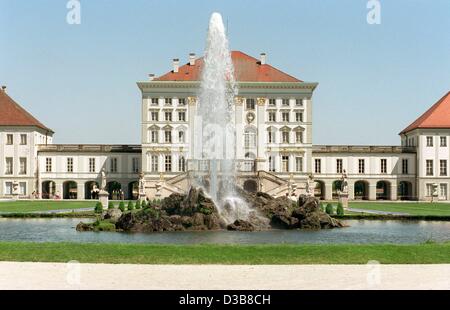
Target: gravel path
[
  {"x": 40, "y": 276},
  {"x": 377, "y": 212}
]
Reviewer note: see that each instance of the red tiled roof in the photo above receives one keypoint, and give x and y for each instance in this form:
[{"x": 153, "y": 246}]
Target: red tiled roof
[
  {"x": 247, "y": 69},
  {"x": 12, "y": 114},
  {"x": 438, "y": 116}
]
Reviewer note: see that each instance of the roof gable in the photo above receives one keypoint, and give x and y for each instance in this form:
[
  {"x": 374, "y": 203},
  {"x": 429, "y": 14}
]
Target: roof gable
[
  {"x": 12, "y": 114},
  {"x": 438, "y": 116},
  {"x": 246, "y": 69}
]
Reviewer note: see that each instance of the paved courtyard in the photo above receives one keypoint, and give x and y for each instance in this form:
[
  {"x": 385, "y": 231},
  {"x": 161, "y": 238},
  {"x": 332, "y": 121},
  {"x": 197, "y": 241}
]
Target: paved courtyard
[{"x": 39, "y": 276}]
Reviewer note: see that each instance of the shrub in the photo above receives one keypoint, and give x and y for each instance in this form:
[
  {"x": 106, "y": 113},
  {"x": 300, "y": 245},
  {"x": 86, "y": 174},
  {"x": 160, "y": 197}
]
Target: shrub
[
  {"x": 130, "y": 205},
  {"x": 110, "y": 205},
  {"x": 153, "y": 213},
  {"x": 138, "y": 204},
  {"x": 329, "y": 209},
  {"x": 144, "y": 204},
  {"x": 322, "y": 207},
  {"x": 340, "y": 209},
  {"x": 98, "y": 208},
  {"x": 122, "y": 206}
]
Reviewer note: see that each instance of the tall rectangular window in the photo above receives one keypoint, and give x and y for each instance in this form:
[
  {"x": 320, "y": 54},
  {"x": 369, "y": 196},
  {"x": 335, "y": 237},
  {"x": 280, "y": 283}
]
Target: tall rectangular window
[
  {"x": 405, "y": 169},
  {"x": 361, "y": 166},
  {"x": 48, "y": 164},
  {"x": 299, "y": 117},
  {"x": 285, "y": 163},
  {"x": 443, "y": 141},
  {"x": 181, "y": 164},
  {"x": 9, "y": 139},
  {"x": 9, "y": 165},
  {"x": 443, "y": 168},
  {"x": 23, "y": 139},
  {"x": 168, "y": 163},
  {"x": 285, "y": 136},
  {"x": 339, "y": 165},
  {"x": 154, "y": 116},
  {"x": 285, "y": 116},
  {"x": 155, "y": 164},
  {"x": 8, "y": 188},
  {"x": 271, "y": 164},
  {"x": 429, "y": 167},
  {"x": 271, "y": 136},
  {"x": 113, "y": 165},
  {"x": 318, "y": 166},
  {"x": 430, "y": 189},
  {"x": 154, "y": 136},
  {"x": 383, "y": 165},
  {"x": 272, "y": 116},
  {"x": 91, "y": 164},
  {"x": 299, "y": 136},
  {"x": 168, "y": 116},
  {"x": 429, "y": 141},
  {"x": 272, "y": 102},
  {"x": 299, "y": 102},
  {"x": 285, "y": 102},
  {"x": 70, "y": 164},
  {"x": 443, "y": 193},
  {"x": 155, "y": 101},
  {"x": 181, "y": 137},
  {"x": 299, "y": 164},
  {"x": 168, "y": 101},
  {"x": 168, "y": 136},
  {"x": 182, "y": 101},
  {"x": 23, "y": 165},
  {"x": 135, "y": 165},
  {"x": 22, "y": 188},
  {"x": 182, "y": 116}
]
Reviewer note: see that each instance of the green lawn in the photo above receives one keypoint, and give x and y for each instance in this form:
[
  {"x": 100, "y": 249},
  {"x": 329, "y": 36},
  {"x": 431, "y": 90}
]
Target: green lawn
[
  {"x": 414, "y": 208},
  {"x": 43, "y": 205},
  {"x": 225, "y": 254}
]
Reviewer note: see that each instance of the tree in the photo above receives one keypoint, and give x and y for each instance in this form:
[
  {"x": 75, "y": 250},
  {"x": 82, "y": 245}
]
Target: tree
[
  {"x": 340, "y": 209},
  {"x": 130, "y": 205},
  {"x": 98, "y": 208},
  {"x": 329, "y": 209},
  {"x": 138, "y": 204},
  {"x": 122, "y": 206},
  {"x": 110, "y": 205}
]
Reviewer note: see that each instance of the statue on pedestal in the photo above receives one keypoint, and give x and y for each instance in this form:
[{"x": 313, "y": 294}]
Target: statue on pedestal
[
  {"x": 310, "y": 186},
  {"x": 142, "y": 194},
  {"x": 103, "y": 195},
  {"x": 344, "y": 183},
  {"x": 103, "y": 180}
]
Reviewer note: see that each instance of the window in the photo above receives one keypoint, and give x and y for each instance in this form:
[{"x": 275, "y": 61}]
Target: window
[
  {"x": 272, "y": 102},
  {"x": 430, "y": 190},
  {"x": 383, "y": 165},
  {"x": 271, "y": 136},
  {"x": 135, "y": 165},
  {"x": 429, "y": 141},
  {"x": 443, "y": 168},
  {"x": 272, "y": 116},
  {"x": 285, "y": 163},
  {"x": 443, "y": 141},
  {"x": 154, "y": 116},
  {"x": 429, "y": 167},
  {"x": 155, "y": 165},
  {"x": 22, "y": 188},
  {"x": 168, "y": 116},
  {"x": 8, "y": 188},
  {"x": 339, "y": 166},
  {"x": 168, "y": 163},
  {"x": 361, "y": 166},
  {"x": 168, "y": 101},
  {"x": 182, "y": 101},
  {"x": 113, "y": 165},
  {"x": 299, "y": 102},
  {"x": 249, "y": 139},
  {"x": 154, "y": 136},
  {"x": 285, "y": 102},
  {"x": 299, "y": 164},
  {"x": 181, "y": 137},
  {"x": 168, "y": 136},
  {"x": 70, "y": 164},
  {"x": 91, "y": 164},
  {"x": 443, "y": 195},
  {"x": 9, "y": 139},
  {"x": 405, "y": 169},
  {"x": 155, "y": 101},
  {"x": 285, "y": 116},
  {"x": 23, "y": 139},
  {"x": 299, "y": 136},
  {"x": 182, "y": 116},
  {"x": 48, "y": 164},
  {"x": 250, "y": 104},
  {"x": 181, "y": 164},
  {"x": 23, "y": 165},
  {"x": 9, "y": 165},
  {"x": 318, "y": 166},
  {"x": 285, "y": 136},
  {"x": 299, "y": 117},
  {"x": 271, "y": 164}
]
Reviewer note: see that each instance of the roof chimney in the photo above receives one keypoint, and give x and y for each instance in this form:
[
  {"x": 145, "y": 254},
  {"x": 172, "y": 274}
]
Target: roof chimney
[
  {"x": 263, "y": 58},
  {"x": 151, "y": 77},
  {"x": 4, "y": 88},
  {"x": 192, "y": 59},
  {"x": 176, "y": 65}
]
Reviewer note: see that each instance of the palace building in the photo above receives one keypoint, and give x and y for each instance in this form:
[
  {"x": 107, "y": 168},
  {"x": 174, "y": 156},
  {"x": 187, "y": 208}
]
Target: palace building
[{"x": 274, "y": 148}]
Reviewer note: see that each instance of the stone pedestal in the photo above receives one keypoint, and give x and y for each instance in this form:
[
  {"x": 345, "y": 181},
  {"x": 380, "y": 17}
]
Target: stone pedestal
[
  {"x": 103, "y": 197},
  {"x": 343, "y": 199}
]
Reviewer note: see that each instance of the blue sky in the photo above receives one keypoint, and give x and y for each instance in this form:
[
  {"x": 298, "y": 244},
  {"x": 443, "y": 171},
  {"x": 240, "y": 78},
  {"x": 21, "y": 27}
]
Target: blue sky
[{"x": 80, "y": 80}]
